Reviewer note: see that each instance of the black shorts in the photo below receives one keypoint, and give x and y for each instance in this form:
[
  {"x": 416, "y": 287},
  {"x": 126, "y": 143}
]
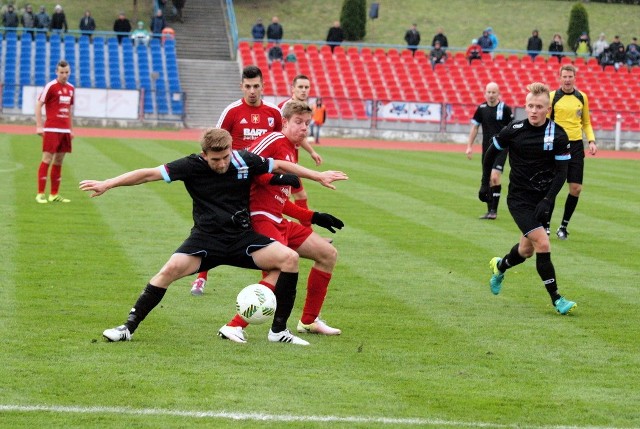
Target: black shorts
[
  {"x": 522, "y": 207},
  {"x": 499, "y": 161},
  {"x": 224, "y": 249},
  {"x": 575, "y": 171}
]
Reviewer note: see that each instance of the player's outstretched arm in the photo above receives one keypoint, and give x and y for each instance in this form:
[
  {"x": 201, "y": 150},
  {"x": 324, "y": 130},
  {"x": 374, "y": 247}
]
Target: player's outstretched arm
[
  {"x": 325, "y": 178},
  {"x": 135, "y": 177}
]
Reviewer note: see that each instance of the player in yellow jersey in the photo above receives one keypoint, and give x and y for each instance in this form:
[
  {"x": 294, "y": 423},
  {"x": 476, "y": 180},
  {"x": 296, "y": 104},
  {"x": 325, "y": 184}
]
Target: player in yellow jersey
[{"x": 570, "y": 110}]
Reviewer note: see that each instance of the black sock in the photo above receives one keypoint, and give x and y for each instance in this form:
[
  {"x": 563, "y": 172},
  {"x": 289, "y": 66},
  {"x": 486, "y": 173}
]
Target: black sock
[
  {"x": 148, "y": 299},
  {"x": 548, "y": 224},
  {"x": 547, "y": 273},
  {"x": 511, "y": 259},
  {"x": 495, "y": 198},
  {"x": 285, "y": 296},
  {"x": 569, "y": 208}
]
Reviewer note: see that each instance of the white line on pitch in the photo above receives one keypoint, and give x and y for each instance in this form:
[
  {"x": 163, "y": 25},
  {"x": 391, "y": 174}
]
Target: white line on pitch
[{"x": 273, "y": 417}]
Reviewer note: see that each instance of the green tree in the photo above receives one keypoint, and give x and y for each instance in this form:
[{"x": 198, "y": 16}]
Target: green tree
[
  {"x": 353, "y": 19},
  {"x": 578, "y": 23}
]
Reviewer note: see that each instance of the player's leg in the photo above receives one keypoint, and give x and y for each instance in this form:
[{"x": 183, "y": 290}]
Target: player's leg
[
  {"x": 546, "y": 271},
  {"x": 316, "y": 248},
  {"x": 178, "y": 266},
  {"x": 43, "y": 173},
  {"x": 575, "y": 175},
  {"x": 56, "y": 170},
  {"x": 301, "y": 200},
  {"x": 495, "y": 183}
]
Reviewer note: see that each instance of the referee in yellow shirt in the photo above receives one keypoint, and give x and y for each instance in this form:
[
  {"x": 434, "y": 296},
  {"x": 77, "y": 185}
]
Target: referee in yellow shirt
[{"x": 570, "y": 109}]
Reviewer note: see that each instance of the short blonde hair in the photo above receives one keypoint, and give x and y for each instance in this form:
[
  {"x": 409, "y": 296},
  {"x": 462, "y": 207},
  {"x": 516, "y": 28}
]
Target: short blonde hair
[
  {"x": 215, "y": 140},
  {"x": 538, "y": 88},
  {"x": 295, "y": 108}
]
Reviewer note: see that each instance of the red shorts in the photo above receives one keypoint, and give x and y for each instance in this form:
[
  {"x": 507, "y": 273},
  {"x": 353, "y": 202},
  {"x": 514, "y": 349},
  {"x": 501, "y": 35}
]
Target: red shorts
[
  {"x": 56, "y": 142},
  {"x": 291, "y": 234}
]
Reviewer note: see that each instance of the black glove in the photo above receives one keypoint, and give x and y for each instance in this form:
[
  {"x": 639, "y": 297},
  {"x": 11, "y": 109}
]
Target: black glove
[
  {"x": 327, "y": 221},
  {"x": 285, "y": 179},
  {"x": 484, "y": 194},
  {"x": 541, "y": 213}
]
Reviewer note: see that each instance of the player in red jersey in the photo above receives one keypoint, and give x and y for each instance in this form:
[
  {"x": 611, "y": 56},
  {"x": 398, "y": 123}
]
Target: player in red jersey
[
  {"x": 268, "y": 203},
  {"x": 246, "y": 120},
  {"x": 300, "y": 89},
  {"x": 57, "y": 98},
  {"x": 250, "y": 117}
]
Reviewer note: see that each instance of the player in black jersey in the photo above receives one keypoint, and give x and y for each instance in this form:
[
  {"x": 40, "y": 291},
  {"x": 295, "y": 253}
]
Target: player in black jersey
[
  {"x": 493, "y": 115},
  {"x": 218, "y": 181},
  {"x": 539, "y": 153}
]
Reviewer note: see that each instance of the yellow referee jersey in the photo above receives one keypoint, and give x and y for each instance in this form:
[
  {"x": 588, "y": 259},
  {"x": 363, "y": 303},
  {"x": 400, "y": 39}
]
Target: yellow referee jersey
[{"x": 573, "y": 116}]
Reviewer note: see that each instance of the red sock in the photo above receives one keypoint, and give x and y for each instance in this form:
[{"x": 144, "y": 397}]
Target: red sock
[
  {"x": 203, "y": 275},
  {"x": 317, "y": 286},
  {"x": 239, "y": 321},
  {"x": 42, "y": 177},
  {"x": 56, "y": 176},
  {"x": 303, "y": 204}
]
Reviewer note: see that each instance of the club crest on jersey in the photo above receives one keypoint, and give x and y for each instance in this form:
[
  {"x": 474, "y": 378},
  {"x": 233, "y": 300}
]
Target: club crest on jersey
[
  {"x": 271, "y": 122},
  {"x": 255, "y": 118},
  {"x": 548, "y": 143}
]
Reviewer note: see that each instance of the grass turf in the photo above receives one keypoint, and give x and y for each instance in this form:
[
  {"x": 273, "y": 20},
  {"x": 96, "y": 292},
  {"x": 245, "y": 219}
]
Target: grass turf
[{"x": 424, "y": 343}]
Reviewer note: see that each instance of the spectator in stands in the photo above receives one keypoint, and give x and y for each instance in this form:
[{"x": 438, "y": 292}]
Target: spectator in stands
[
  {"x": 440, "y": 37},
  {"x": 275, "y": 54},
  {"x": 140, "y": 35},
  {"x": 613, "y": 47},
  {"x": 275, "y": 32},
  {"x": 10, "y": 18},
  {"x": 335, "y": 36},
  {"x": 485, "y": 42},
  {"x": 258, "y": 31},
  {"x": 179, "y": 5},
  {"x": 58, "y": 22},
  {"x": 28, "y": 20},
  {"x": 42, "y": 19},
  {"x": 291, "y": 56},
  {"x": 318, "y": 118},
  {"x": 534, "y": 45},
  {"x": 632, "y": 56},
  {"x": 634, "y": 42},
  {"x": 437, "y": 55},
  {"x": 606, "y": 58},
  {"x": 121, "y": 26},
  {"x": 412, "y": 37},
  {"x": 87, "y": 24},
  {"x": 493, "y": 37},
  {"x": 619, "y": 57},
  {"x": 556, "y": 48},
  {"x": 600, "y": 46},
  {"x": 474, "y": 51},
  {"x": 583, "y": 45},
  {"x": 158, "y": 23}
]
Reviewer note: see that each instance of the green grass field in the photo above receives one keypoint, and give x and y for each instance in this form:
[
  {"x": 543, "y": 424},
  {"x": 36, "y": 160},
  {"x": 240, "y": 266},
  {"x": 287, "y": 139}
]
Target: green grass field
[{"x": 424, "y": 344}]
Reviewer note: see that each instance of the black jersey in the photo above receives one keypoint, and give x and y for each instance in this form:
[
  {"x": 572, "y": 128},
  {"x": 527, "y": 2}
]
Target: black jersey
[
  {"x": 533, "y": 153},
  {"x": 492, "y": 119},
  {"x": 220, "y": 201}
]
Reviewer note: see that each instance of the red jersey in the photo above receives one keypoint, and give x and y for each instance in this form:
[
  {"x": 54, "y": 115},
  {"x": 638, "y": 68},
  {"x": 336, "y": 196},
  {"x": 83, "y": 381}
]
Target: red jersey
[
  {"x": 246, "y": 123},
  {"x": 282, "y": 103},
  {"x": 57, "y": 99},
  {"x": 268, "y": 200}
]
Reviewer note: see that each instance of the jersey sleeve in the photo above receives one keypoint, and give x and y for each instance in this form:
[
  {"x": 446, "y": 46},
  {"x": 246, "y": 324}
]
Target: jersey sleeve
[
  {"x": 176, "y": 170},
  {"x": 562, "y": 147},
  {"x": 586, "y": 120},
  {"x": 477, "y": 117},
  {"x": 226, "y": 120},
  {"x": 502, "y": 140}
]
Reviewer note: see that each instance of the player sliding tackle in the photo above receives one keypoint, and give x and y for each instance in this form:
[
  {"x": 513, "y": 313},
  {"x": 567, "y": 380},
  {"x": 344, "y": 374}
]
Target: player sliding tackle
[{"x": 218, "y": 181}]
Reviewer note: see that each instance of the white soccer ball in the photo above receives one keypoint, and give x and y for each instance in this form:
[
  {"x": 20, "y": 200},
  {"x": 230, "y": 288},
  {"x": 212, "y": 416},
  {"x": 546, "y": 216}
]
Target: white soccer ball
[{"x": 256, "y": 304}]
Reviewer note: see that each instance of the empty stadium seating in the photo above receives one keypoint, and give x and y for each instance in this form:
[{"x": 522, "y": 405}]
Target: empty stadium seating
[
  {"x": 349, "y": 78},
  {"x": 101, "y": 63}
]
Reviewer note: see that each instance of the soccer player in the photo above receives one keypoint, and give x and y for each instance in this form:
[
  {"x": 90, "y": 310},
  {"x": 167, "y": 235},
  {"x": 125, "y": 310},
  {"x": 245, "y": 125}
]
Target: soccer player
[
  {"x": 57, "y": 97},
  {"x": 570, "y": 109},
  {"x": 539, "y": 154},
  {"x": 218, "y": 181},
  {"x": 246, "y": 120},
  {"x": 267, "y": 205},
  {"x": 493, "y": 115},
  {"x": 300, "y": 89},
  {"x": 250, "y": 117}
]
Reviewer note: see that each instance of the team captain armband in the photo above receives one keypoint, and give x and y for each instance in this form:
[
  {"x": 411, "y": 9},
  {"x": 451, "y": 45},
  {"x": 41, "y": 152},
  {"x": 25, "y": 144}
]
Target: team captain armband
[{"x": 165, "y": 174}]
